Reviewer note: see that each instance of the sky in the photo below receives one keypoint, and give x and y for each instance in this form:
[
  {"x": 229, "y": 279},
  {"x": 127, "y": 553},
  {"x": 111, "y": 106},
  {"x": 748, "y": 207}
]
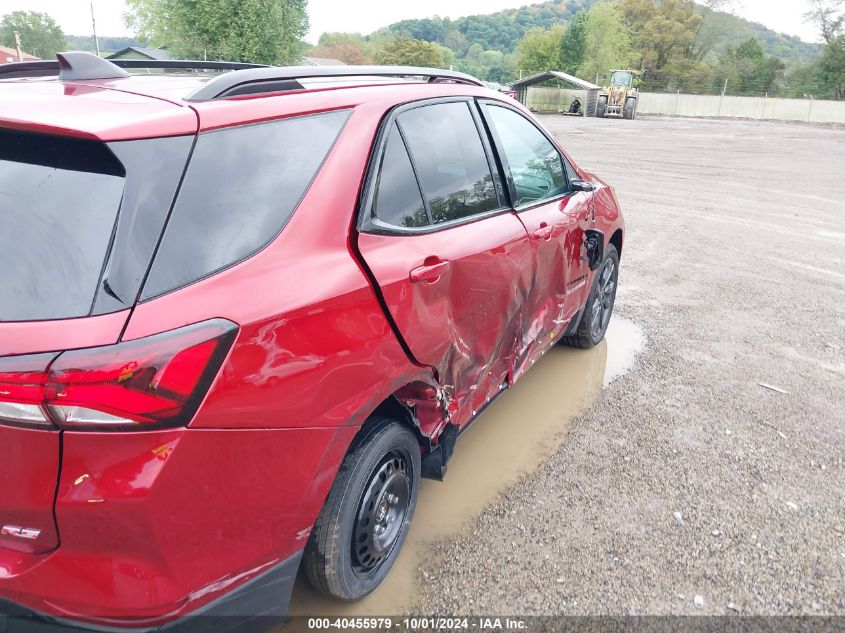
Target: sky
[{"x": 365, "y": 16}]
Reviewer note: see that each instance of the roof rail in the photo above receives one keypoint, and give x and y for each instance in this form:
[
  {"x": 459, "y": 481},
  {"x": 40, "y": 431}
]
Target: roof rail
[
  {"x": 277, "y": 78},
  {"x": 106, "y": 68}
]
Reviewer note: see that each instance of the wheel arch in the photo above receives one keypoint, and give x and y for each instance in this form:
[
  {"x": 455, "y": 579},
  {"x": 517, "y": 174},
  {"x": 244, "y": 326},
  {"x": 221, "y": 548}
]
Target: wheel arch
[
  {"x": 394, "y": 408},
  {"x": 616, "y": 240}
]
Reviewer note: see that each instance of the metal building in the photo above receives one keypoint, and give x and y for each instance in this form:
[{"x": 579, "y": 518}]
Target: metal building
[{"x": 591, "y": 89}]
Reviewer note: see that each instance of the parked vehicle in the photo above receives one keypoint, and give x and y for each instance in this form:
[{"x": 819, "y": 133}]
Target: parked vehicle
[{"x": 243, "y": 314}]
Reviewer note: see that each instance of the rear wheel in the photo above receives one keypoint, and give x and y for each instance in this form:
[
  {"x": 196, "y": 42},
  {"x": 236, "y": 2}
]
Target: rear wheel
[
  {"x": 630, "y": 109},
  {"x": 599, "y": 306},
  {"x": 601, "y": 108},
  {"x": 366, "y": 516}
]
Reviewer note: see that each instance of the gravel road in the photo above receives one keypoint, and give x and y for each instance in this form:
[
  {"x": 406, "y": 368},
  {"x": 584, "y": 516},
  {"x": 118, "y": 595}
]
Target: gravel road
[{"x": 687, "y": 487}]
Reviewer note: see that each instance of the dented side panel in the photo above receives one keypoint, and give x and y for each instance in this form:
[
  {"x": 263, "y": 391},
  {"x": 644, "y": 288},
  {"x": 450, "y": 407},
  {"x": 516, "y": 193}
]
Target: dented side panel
[
  {"x": 556, "y": 230},
  {"x": 467, "y": 322}
]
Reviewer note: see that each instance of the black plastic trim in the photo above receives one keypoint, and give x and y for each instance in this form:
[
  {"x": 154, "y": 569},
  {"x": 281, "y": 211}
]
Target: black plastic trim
[
  {"x": 229, "y": 84},
  {"x": 257, "y": 606}
]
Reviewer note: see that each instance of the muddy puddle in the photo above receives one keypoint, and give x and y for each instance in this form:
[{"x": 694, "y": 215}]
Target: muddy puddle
[{"x": 510, "y": 440}]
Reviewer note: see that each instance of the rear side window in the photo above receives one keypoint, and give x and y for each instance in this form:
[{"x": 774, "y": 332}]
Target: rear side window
[
  {"x": 59, "y": 201},
  {"x": 535, "y": 165},
  {"x": 450, "y": 160},
  {"x": 240, "y": 189},
  {"x": 397, "y": 199}
]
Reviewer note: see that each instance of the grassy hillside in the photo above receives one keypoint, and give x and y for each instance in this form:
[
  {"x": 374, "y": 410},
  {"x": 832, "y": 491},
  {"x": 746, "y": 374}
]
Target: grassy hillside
[
  {"x": 502, "y": 30},
  {"x": 735, "y": 30}
]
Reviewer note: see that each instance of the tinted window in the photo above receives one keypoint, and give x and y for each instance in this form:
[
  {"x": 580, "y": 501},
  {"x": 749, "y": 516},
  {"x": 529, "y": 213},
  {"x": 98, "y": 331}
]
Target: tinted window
[
  {"x": 535, "y": 164},
  {"x": 450, "y": 160},
  {"x": 240, "y": 189},
  {"x": 397, "y": 200},
  {"x": 154, "y": 168},
  {"x": 59, "y": 199}
]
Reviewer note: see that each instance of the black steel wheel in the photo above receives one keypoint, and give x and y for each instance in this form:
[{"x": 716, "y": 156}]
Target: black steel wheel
[
  {"x": 381, "y": 513},
  {"x": 367, "y": 514},
  {"x": 599, "y": 307}
]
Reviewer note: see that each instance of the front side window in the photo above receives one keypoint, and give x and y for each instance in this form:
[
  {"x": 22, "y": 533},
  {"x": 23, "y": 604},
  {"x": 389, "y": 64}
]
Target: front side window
[
  {"x": 535, "y": 165},
  {"x": 241, "y": 187},
  {"x": 450, "y": 160}
]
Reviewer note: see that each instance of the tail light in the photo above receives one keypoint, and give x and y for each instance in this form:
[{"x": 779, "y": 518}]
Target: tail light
[
  {"x": 22, "y": 381},
  {"x": 147, "y": 383}
]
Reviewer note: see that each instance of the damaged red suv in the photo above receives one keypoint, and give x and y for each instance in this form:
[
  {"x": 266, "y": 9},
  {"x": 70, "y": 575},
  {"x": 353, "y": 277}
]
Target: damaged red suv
[{"x": 242, "y": 314}]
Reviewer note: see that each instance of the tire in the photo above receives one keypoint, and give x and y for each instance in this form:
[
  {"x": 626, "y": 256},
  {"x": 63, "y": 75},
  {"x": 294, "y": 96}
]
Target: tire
[
  {"x": 377, "y": 486},
  {"x": 601, "y": 108},
  {"x": 599, "y": 306},
  {"x": 630, "y": 109}
]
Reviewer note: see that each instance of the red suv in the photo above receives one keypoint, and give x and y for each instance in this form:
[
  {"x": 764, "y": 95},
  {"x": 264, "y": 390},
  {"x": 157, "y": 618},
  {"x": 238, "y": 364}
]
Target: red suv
[{"x": 243, "y": 313}]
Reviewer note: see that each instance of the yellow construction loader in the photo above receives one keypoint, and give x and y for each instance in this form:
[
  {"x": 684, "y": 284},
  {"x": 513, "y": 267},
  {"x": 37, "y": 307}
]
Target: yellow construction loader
[{"x": 620, "y": 99}]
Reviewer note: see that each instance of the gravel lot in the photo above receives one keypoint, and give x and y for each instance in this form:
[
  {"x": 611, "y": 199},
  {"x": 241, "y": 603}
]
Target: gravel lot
[
  {"x": 684, "y": 487},
  {"x": 688, "y": 488}
]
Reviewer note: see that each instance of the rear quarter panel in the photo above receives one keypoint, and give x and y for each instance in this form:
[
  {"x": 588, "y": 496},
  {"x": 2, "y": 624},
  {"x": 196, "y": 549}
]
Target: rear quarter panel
[{"x": 314, "y": 347}]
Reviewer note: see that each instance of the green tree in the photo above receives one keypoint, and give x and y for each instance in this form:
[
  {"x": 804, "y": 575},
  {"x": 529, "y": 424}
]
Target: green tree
[
  {"x": 747, "y": 69},
  {"x": 607, "y": 41},
  {"x": 573, "y": 44},
  {"x": 831, "y": 68},
  {"x": 828, "y": 17},
  {"x": 347, "y": 53},
  {"x": 540, "y": 49},
  {"x": 488, "y": 65},
  {"x": 406, "y": 51},
  {"x": 258, "y": 31},
  {"x": 711, "y": 29},
  {"x": 662, "y": 30},
  {"x": 40, "y": 35},
  {"x": 829, "y": 72}
]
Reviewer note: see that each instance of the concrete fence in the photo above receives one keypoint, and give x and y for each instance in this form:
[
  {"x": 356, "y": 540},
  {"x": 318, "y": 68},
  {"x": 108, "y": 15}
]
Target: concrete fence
[{"x": 811, "y": 110}]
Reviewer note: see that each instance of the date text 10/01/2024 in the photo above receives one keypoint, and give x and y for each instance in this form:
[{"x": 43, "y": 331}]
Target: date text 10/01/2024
[{"x": 416, "y": 624}]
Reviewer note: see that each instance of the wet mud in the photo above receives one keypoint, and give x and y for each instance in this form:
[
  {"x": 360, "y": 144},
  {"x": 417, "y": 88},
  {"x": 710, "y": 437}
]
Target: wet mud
[{"x": 508, "y": 441}]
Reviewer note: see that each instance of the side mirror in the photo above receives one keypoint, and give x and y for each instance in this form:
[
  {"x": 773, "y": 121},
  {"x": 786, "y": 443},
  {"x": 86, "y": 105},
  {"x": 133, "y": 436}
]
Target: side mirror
[{"x": 581, "y": 185}]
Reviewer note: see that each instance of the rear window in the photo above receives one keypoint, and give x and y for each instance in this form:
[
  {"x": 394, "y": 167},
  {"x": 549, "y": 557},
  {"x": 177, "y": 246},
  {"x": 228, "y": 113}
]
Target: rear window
[
  {"x": 241, "y": 187},
  {"x": 59, "y": 201}
]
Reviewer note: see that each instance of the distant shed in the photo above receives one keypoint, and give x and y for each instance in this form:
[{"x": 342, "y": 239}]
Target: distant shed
[
  {"x": 142, "y": 53},
  {"x": 591, "y": 89}
]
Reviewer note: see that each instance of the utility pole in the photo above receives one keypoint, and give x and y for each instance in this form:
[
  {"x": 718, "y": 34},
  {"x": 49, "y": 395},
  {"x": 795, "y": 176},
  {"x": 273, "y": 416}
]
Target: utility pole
[
  {"x": 94, "y": 27},
  {"x": 18, "y": 46}
]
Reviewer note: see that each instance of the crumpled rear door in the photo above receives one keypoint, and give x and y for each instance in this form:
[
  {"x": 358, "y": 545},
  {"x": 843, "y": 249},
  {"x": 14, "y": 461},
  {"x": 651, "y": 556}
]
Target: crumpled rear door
[{"x": 457, "y": 298}]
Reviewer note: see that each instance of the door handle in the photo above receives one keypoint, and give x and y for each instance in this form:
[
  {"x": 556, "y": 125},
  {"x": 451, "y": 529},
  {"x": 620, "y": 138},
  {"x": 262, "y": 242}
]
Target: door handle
[
  {"x": 429, "y": 272},
  {"x": 544, "y": 232}
]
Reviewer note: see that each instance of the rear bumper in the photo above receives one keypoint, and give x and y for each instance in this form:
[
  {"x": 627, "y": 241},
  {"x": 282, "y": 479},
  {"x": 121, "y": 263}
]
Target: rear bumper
[
  {"x": 256, "y": 606},
  {"x": 157, "y": 525}
]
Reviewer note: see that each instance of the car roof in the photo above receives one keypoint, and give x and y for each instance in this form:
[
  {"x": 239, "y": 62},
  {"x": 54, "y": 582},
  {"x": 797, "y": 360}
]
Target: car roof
[{"x": 156, "y": 104}]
